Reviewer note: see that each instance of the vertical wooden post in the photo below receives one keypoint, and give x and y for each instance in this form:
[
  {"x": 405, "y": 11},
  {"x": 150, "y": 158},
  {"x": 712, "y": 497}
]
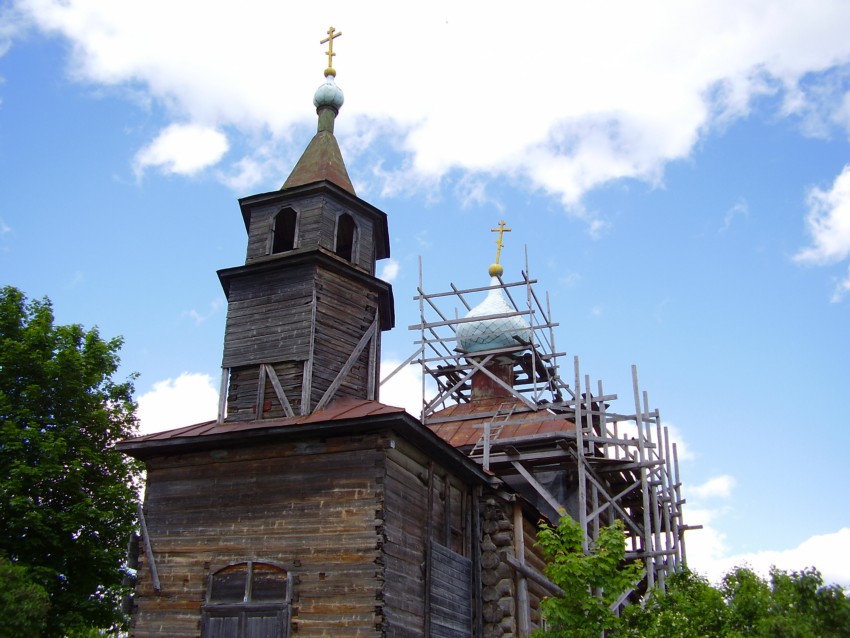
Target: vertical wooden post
[
  {"x": 644, "y": 483},
  {"x": 307, "y": 379},
  {"x": 478, "y": 604},
  {"x": 447, "y": 512},
  {"x": 582, "y": 480},
  {"x": 222, "y": 394},
  {"x": 680, "y": 526},
  {"x": 522, "y": 605},
  {"x": 261, "y": 392},
  {"x": 373, "y": 382},
  {"x": 429, "y": 533}
]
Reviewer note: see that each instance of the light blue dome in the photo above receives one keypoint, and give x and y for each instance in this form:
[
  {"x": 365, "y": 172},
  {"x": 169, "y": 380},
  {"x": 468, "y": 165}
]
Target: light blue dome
[
  {"x": 490, "y": 334},
  {"x": 329, "y": 94}
]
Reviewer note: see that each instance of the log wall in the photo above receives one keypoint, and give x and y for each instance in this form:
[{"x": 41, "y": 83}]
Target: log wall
[
  {"x": 315, "y": 228},
  {"x": 344, "y": 311},
  {"x": 423, "y": 503},
  {"x": 362, "y": 524},
  {"x": 288, "y": 317},
  {"x": 308, "y": 506},
  {"x": 269, "y": 317}
]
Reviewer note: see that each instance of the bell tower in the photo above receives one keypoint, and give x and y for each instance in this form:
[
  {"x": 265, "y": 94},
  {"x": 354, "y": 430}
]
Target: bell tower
[{"x": 305, "y": 312}]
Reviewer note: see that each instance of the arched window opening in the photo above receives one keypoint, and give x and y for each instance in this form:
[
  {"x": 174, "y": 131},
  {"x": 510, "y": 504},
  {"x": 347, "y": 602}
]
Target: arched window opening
[
  {"x": 346, "y": 236},
  {"x": 246, "y": 600},
  {"x": 283, "y": 231}
]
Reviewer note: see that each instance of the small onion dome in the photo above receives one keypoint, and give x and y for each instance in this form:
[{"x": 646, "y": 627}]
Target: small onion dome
[
  {"x": 329, "y": 94},
  {"x": 490, "y": 334}
]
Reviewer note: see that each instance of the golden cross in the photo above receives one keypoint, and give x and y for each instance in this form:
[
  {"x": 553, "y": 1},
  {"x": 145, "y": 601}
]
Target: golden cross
[
  {"x": 332, "y": 33},
  {"x": 499, "y": 245}
]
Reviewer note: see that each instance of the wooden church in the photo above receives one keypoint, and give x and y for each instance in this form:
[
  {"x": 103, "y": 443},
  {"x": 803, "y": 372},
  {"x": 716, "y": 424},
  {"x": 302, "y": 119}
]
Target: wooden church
[{"x": 309, "y": 508}]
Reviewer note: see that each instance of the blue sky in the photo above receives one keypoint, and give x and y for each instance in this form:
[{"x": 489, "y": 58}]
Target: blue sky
[{"x": 678, "y": 172}]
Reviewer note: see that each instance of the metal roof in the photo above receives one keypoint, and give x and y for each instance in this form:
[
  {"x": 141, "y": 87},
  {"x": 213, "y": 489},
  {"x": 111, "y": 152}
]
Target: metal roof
[
  {"x": 462, "y": 427},
  {"x": 340, "y": 410}
]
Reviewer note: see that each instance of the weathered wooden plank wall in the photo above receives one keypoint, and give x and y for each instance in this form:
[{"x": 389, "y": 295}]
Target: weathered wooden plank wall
[
  {"x": 451, "y": 593},
  {"x": 344, "y": 311},
  {"x": 307, "y": 506},
  {"x": 268, "y": 317},
  {"x": 409, "y": 527},
  {"x": 533, "y": 560},
  {"x": 316, "y": 228}
]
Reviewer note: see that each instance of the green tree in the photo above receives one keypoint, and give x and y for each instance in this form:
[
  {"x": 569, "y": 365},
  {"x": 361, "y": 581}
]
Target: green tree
[
  {"x": 787, "y": 605},
  {"x": 591, "y": 582},
  {"x": 690, "y": 608},
  {"x": 67, "y": 497},
  {"x": 23, "y": 603}
]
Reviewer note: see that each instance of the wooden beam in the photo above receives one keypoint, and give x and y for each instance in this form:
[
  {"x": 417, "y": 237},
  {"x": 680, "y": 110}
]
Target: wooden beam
[
  {"x": 148, "y": 549},
  {"x": 352, "y": 359},
  {"x": 278, "y": 390},
  {"x": 261, "y": 392},
  {"x": 536, "y": 576},
  {"x": 480, "y": 367},
  {"x": 523, "y": 622},
  {"x": 222, "y": 394},
  {"x": 429, "y": 531},
  {"x": 307, "y": 376},
  {"x": 540, "y": 489},
  {"x": 373, "y": 382}
]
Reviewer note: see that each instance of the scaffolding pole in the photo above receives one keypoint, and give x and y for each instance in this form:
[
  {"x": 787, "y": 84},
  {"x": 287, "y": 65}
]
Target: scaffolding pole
[{"x": 614, "y": 475}]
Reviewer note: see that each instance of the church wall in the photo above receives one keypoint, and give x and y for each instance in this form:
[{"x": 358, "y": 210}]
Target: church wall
[
  {"x": 408, "y": 526},
  {"x": 309, "y": 211},
  {"x": 510, "y": 600},
  {"x": 317, "y": 219},
  {"x": 534, "y": 560},
  {"x": 269, "y": 317},
  {"x": 365, "y": 253},
  {"x": 242, "y": 391},
  {"x": 309, "y": 507},
  {"x": 344, "y": 311}
]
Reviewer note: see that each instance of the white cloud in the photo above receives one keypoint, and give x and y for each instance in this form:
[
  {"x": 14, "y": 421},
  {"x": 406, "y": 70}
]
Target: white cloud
[
  {"x": 739, "y": 209},
  {"x": 717, "y": 487},
  {"x": 825, "y": 552},
  {"x": 709, "y": 554},
  {"x": 842, "y": 288},
  {"x": 404, "y": 389},
  {"x": 389, "y": 271},
  {"x": 705, "y": 547},
  {"x": 606, "y": 99},
  {"x": 173, "y": 403},
  {"x": 200, "y": 317},
  {"x": 828, "y": 222},
  {"x": 184, "y": 149}
]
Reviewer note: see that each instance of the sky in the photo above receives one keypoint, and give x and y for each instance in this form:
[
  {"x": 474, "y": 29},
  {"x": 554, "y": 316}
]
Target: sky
[{"x": 677, "y": 173}]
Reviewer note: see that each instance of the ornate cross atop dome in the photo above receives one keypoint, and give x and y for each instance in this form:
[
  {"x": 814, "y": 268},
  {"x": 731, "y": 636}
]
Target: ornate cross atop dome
[{"x": 332, "y": 35}]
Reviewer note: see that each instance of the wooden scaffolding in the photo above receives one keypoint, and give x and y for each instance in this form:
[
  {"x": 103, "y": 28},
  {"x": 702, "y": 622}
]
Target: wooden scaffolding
[{"x": 601, "y": 465}]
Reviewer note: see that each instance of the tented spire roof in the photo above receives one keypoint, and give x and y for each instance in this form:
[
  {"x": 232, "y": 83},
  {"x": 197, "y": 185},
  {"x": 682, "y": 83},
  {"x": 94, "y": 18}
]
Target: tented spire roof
[{"x": 322, "y": 159}]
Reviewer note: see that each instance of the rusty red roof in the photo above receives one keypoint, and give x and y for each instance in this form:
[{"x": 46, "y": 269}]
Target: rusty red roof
[
  {"x": 339, "y": 410},
  {"x": 465, "y": 428},
  {"x": 321, "y": 160}
]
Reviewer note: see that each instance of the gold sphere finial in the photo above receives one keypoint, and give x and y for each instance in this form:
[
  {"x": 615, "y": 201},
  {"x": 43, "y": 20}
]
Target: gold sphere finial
[{"x": 496, "y": 270}]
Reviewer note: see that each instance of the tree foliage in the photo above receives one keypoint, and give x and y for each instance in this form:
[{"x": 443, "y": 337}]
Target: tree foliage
[
  {"x": 743, "y": 605},
  {"x": 67, "y": 497},
  {"x": 591, "y": 582},
  {"x": 786, "y": 605},
  {"x": 23, "y": 603}
]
